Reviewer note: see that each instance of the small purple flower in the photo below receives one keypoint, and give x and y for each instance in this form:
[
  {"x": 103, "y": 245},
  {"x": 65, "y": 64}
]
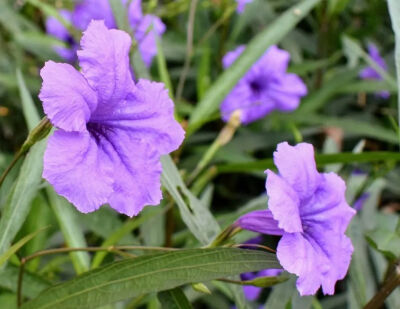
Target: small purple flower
[
  {"x": 309, "y": 210},
  {"x": 57, "y": 30},
  {"x": 265, "y": 87},
  {"x": 359, "y": 203},
  {"x": 241, "y": 5},
  {"x": 111, "y": 131},
  {"x": 146, "y": 28},
  {"x": 370, "y": 73}
]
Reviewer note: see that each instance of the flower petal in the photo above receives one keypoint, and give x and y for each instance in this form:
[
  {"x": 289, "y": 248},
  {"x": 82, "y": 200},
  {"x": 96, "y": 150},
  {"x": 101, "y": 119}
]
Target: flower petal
[
  {"x": 67, "y": 98},
  {"x": 328, "y": 205},
  {"x": 230, "y": 57},
  {"x": 148, "y": 115},
  {"x": 135, "y": 13},
  {"x": 78, "y": 169},
  {"x": 56, "y": 28},
  {"x": 283, "y": 203},
  {"x": 286, "y": 92},
  {"x": 137, "y": 174},
  {"x": 146, "y": 34},
  {"x": 89, "y": 10},
  {"x": 318, "y": 257},
  {"x": 260, "y": 221},
  {"x": 274, "y": 60},
  {"x": 296, "y": 164},
  {"x": 104, "y": 60}
]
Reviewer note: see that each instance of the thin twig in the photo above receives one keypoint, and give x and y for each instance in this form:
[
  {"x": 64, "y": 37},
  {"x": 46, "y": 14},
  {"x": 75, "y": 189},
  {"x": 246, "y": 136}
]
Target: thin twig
[
  {"x": 189, "y": 50},
  {"x": 18, "y": 156},
  {"x": 255, "y": 246},
  {"x": 392, "y": 282}
]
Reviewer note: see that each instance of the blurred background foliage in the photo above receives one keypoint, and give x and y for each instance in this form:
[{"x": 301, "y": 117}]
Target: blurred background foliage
[{"x": 342, "y": 117}]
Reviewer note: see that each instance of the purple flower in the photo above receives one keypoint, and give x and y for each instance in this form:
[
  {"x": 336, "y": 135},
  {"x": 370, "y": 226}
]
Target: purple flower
[
  {"x": 111, "y": 131},
  {"x": 57, "y": 30},
  {"x": 370, "y": 73},
  {"x": 241, "y": 4},
  {"x": 146, "y": 28},
  {"x": 309, "y": 210},
  {"x": 265, "y": 87}
]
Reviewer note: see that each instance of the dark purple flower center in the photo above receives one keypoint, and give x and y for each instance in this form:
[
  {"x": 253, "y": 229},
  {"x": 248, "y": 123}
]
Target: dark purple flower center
[
  {"x": 257, "y": 86},
  {"x": 97, "y": 130},
  {"x": 70, "y": 41}
]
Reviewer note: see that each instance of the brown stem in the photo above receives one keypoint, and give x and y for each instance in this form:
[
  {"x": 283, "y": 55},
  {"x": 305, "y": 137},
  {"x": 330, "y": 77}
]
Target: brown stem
[{"x": 392, "y": 282}]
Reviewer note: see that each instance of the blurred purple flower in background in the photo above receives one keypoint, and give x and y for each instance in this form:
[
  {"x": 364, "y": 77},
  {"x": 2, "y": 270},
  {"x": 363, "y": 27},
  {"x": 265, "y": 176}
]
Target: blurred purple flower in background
[
  {"x": 371, "y": 73},
  {"x": 145, "y": 28},
  {"x": 57, "y": 30},
  {"x": 264, "y": 88},
  {"x": 241, "y": 5},
  {"x": 309, "y": 210},
  {"x": 111, "y": 131}
]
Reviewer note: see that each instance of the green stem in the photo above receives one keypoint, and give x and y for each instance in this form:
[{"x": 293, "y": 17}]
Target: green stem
[
  {"x": 37, "y": 134},
  {"x": 222, "y": 139}
]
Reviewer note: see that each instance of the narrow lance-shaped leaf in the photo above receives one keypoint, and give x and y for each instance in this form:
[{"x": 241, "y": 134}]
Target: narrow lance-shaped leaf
[
  {"x": 150, "y": 273},
  {"x": 196, "y": 216},
  {"x": 254, "y": 50},
  {"x": 394, "y": 10}
]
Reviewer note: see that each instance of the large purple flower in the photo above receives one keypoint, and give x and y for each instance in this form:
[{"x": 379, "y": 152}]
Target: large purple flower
[
  {"x": 265, "y": 87},
  {"x": 371, "y": 73},
  {"x": 111, "y": 131},
  {"x": 309, "y": 210},
  {"x": 146, "y": 28}
]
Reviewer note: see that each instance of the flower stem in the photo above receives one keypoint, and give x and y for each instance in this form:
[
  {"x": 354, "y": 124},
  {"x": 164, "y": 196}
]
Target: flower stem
[
  {"x": 37, "y": 134},
  {"x": 392, "y": 282},
  {"x": 222, "y": 139}
]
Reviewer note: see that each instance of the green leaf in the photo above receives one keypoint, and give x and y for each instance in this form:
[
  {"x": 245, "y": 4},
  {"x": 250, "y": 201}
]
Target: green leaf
[
  {"x": 386, "y": 236},
  {"x": 196, "y": 216},
  {"x": 162, "y": 68},
  {"x": 28, "y": 106},
  {"x": 394, "y": 10},
  {"x": 14, "y": 248},
  {"x": 72, "y": 232},
  {"x": 331, "y": 87},
  {"x": 174, "y": 299},
  {"x": 254, "y": 50},
  {"x": 23, "y": 192},
  {"x": 39, "y": 44},
  {"x": 125, "y": 229},
  {"x": 321, "y": 159},
  {"x": 32, "y": 284},
  {"x": 265, "y": 282},
  {"x": 150, "y": 273}
]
